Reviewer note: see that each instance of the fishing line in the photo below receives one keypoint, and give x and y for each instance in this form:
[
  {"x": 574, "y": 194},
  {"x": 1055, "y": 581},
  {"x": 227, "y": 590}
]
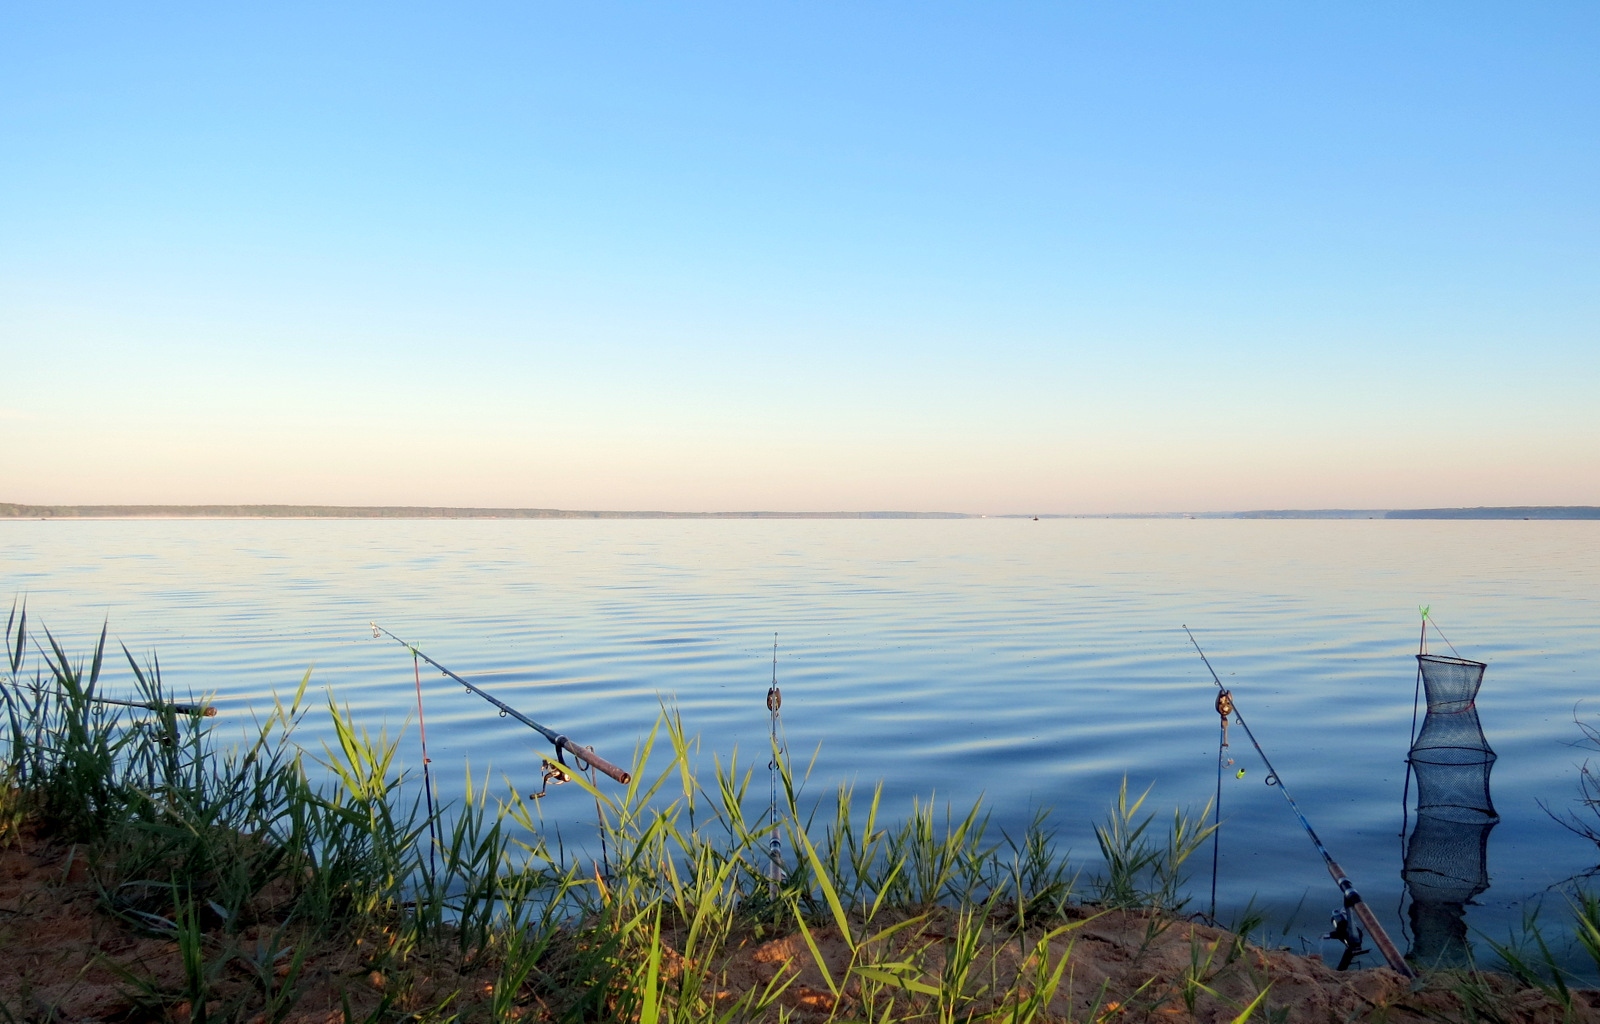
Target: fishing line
[
  {"x": 1224, "y": 709},
  {"x": 585, "y": 757},
  {"x": 1352, "y": 898},
  {"x": 427, "y": 775},
  {"x": 1429, "y": 620},
  {"x": 600, "y": 824}
]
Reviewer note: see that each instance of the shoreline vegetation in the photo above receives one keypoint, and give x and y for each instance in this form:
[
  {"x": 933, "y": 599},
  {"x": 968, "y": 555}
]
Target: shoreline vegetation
[
  {"x": 11, "y": 510},
  {"x": 146, "y": 875}
]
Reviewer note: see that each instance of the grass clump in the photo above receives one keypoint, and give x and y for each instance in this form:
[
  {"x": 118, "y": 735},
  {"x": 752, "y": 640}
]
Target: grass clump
[{"x": 268, "y": 878}]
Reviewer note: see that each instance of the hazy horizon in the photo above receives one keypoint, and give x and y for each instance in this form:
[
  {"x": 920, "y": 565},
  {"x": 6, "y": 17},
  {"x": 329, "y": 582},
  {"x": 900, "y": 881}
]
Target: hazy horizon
[
  {"x": 1083, "y": 260},
  {"x": 287, "y": 511}
]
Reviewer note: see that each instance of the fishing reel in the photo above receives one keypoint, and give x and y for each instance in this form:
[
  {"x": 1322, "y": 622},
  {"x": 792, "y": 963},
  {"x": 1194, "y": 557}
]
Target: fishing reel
[
  {"x": 553, "y": 771},
  {"x": 550, "y": 771},
  {"x": 1348, "y": 934},
  {"x": 557, "y": 771}
]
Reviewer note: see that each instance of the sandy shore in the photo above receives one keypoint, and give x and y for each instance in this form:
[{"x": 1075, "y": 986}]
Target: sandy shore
[{"x": 67, "y": 958}]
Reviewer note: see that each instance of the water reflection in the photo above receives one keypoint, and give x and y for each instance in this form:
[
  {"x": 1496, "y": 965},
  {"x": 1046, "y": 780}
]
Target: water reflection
[{"x": 1447, "y": 853}]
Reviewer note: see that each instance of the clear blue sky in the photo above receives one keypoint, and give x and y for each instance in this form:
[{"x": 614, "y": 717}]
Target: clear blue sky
[{"x": 983, "y": 257}]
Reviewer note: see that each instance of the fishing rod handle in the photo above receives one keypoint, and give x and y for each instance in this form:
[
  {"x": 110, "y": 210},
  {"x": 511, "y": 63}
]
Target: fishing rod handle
[
  {"x": 589, "y": 757},
  {"x": 1380, "y": 938},
  {"x": 1369, "y": 920}
]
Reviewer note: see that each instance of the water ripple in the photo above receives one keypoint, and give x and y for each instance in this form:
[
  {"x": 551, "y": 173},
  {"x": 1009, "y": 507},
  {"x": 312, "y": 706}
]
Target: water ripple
[{"x": 1030, "y": 663}]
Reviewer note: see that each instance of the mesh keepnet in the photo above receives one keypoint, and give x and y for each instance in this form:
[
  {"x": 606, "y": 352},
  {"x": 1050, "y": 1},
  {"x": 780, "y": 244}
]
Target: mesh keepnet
[
  {"x": 1451, "y": 757},
  {"x": 1447, "y": 865},
  {"x": 1447, "y": 853},
  {"x": 1447, "y": 861},
  {"x": 1451, "y": 684}
]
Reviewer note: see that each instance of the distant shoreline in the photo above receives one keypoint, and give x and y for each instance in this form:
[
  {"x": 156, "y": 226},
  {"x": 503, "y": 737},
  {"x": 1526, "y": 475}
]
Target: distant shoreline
[{"x": 20, "y": 511}]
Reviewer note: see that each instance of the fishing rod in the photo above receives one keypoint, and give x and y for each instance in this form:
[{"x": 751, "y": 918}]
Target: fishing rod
[
  {"x": 1352, "y": 898},
  {"x": 774, "y": 769},
  {"x": 193, "y": 710},
  {"x": 585, "y": 757},
  {"x": 15, "y": 660}
]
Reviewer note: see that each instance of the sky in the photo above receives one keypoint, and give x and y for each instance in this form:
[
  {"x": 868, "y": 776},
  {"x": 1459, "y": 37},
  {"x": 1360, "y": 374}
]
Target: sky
[{"x": 1000, "y": 257}]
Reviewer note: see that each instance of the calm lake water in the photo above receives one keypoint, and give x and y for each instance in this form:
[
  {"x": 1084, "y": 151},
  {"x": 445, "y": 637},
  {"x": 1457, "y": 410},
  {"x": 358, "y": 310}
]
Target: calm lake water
[{"x": 1027, "y": 663}]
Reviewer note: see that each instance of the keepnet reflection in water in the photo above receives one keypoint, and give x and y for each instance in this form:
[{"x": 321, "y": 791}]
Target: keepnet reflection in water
[{"x": 1447, "y": 853}]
